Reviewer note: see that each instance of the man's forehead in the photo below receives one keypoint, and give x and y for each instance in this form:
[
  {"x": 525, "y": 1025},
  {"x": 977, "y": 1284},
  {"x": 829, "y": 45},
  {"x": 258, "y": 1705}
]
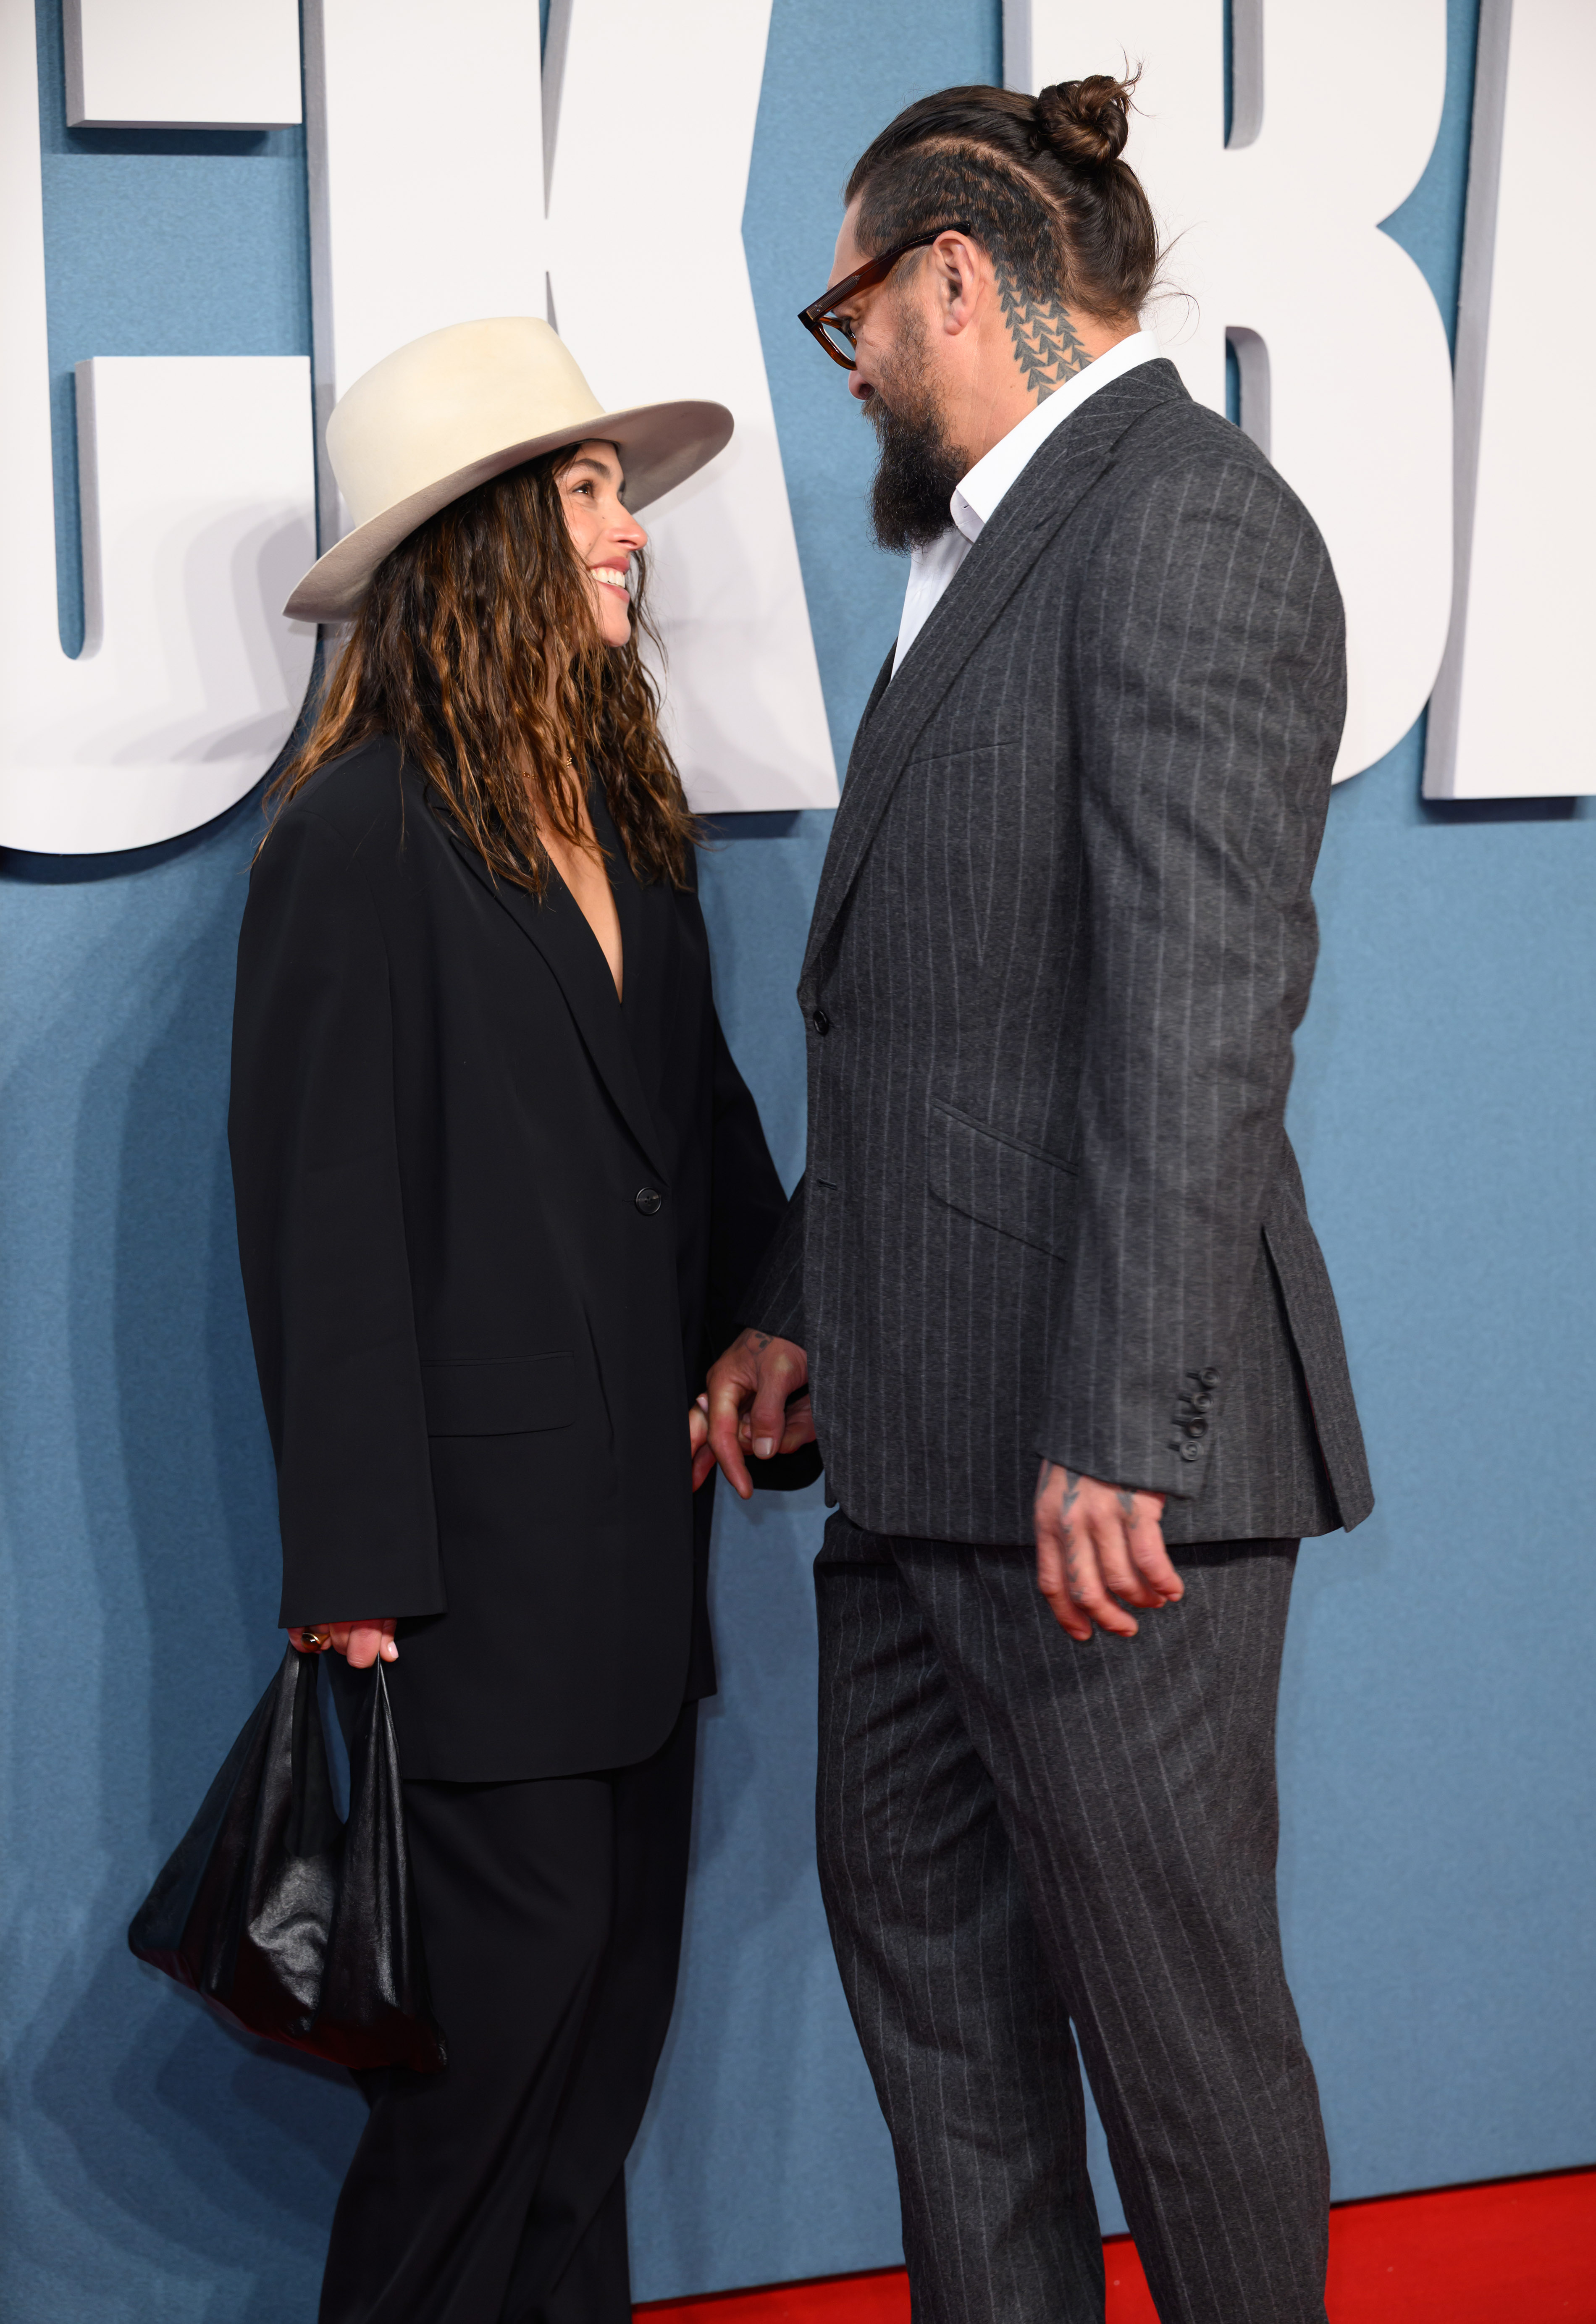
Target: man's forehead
[{"x": 847, "y": 258}]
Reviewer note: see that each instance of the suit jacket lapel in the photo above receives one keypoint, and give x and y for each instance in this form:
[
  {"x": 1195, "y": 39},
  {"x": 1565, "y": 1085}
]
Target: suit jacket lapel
[
  {"x": 1040, "y": 501},
  {"x": 556, "y": 926}
]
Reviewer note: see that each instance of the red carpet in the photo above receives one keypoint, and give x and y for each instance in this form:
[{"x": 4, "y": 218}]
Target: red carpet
[{"x": 1520, "y": 2251}]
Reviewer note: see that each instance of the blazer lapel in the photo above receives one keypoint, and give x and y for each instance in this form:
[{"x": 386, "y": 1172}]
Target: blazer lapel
[
  {"x": 1040, "y": 501},
  {"x": 650, "y": 959},
  {"x": 556, "y": 926}
]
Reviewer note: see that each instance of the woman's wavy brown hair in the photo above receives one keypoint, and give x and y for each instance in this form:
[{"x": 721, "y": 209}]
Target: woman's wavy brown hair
[{"x": 476, "y": 648}]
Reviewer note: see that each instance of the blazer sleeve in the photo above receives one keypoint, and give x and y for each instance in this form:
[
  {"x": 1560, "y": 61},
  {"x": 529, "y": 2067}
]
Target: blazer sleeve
[
  {"x": 749, "y": 1216},
  {"x": 321, "y": 1237},
  {"x": 1211, "y": 677},
  {"x": 747, "y": 1202},
  {"x": 774, "y": 1300}
]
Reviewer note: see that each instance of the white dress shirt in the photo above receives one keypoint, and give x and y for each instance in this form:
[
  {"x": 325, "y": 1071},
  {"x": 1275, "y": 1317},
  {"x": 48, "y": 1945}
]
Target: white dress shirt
[{"x": 978, "y": 493}]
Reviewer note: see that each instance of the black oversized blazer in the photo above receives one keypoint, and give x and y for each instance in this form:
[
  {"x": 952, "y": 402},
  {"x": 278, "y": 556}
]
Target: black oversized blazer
[{"x": 492, "y": 1226}]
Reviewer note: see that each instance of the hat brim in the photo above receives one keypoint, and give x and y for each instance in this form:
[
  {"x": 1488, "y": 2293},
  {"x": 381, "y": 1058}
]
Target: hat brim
[{"x": 661, "y": 446}]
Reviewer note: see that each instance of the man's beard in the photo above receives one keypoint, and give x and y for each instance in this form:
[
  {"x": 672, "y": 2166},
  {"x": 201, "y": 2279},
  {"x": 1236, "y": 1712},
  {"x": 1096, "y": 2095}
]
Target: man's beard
[{"x": 918, "y": 467}]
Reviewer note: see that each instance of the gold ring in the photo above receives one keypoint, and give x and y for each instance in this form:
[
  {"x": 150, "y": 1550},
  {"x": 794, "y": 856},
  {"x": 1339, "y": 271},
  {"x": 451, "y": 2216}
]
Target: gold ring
[{"x": 311, "y": 1640}]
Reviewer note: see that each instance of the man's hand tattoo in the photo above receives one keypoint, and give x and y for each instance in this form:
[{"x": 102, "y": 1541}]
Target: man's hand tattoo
[
  {"x": 1126, "y": 1503},
  {"x": 1045, "y": 339},
  {"x": 1071, "y": 1556}
]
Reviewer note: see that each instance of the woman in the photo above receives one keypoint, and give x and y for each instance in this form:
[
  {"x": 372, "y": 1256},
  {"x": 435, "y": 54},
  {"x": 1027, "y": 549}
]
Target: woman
[{"x": 498, "y": 1185}]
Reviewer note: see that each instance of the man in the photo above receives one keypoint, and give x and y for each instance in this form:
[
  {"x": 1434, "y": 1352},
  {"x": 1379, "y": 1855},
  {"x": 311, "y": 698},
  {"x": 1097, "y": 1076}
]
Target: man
[{"x": 1062, "y": 941}]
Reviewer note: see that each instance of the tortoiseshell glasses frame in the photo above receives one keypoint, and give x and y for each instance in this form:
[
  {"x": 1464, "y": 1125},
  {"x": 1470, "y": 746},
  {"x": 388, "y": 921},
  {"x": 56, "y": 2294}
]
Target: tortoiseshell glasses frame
[{"x": 834, "y": 332}]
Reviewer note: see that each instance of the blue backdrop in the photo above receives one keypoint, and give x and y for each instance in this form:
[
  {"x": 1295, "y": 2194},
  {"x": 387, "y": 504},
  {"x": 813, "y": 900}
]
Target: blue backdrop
[{"x": 1435, "y": 1732}]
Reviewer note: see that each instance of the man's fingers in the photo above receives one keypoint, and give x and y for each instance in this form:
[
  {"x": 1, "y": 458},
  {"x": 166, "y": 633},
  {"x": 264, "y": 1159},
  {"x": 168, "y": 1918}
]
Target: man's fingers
[
  {"x": 728, "y": 1390},
  {"x": 1071, "y": 1580},
  {"x": 1119, "y": 1571},
  {"x": 1148, "y": 1553},
  {"x": 1083, "y": 1550},
  {"x": 767, "y": 1423},
  {"x": 800, "y": 1424},
  {"x": 1050, "y": 1581}
]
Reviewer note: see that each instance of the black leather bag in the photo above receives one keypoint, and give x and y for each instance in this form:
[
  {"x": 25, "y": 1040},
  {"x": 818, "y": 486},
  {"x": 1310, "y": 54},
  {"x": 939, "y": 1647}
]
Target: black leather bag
[{"x": 297, "y": 1926}]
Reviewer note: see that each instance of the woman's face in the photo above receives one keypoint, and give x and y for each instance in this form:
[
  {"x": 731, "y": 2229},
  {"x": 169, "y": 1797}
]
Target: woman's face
[{"x": 605, "y": 533}]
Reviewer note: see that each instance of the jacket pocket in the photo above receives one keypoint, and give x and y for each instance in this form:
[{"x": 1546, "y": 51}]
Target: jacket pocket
[
  {"x": 1018, "y": 1189},
  {"x": 508, "y": 1395}
]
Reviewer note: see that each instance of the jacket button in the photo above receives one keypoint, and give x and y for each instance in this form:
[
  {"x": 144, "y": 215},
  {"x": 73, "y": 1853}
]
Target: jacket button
[
  {"x": 821, "y": 1022},
  {"x": 1201, "y": 1401},
  {"x": 646, "y": 1201},
  {"x": 1209, "y": 1378},
  {"x": 1189, "y": 1452},
  {"x": 1196, "y": 1428}
]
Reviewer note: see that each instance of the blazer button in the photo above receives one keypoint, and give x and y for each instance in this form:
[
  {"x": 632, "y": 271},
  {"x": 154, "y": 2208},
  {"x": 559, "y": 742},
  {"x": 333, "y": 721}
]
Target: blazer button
[
  {"x": 1209, "y": 1378},
  {"x": 1201, "y": 1401},
  {"x": 1189, "y": 1452},
  {"x": 646, "y": 1201},
  {"x": 821, "y": 1022}
]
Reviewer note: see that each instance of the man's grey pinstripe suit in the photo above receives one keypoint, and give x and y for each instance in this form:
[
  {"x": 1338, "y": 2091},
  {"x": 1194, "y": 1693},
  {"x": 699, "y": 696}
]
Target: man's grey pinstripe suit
[{"x": 1063, "y": 939}]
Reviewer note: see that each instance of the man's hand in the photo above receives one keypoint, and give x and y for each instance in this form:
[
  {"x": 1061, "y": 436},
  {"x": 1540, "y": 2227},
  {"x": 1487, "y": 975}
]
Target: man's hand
[
  {"x": 755, "y": 1404},
  {"x": 1098, "y": 1544},
  {"x": 360, "y": 1643}
]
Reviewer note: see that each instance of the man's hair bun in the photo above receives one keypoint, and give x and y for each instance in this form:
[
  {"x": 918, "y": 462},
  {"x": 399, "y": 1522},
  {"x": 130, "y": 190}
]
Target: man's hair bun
[{"x": 1085, "y": 123}]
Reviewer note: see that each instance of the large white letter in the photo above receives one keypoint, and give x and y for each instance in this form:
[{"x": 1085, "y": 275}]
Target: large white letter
[
  {"x": 425, "y": 146},
  {"x": 208, "y": 64},
  {"x": 198, "y": 496},
  {"x": 1511, "y": 716},
  {"x": 1276, "y": 239},
  {"x": 649, "y": 172}
]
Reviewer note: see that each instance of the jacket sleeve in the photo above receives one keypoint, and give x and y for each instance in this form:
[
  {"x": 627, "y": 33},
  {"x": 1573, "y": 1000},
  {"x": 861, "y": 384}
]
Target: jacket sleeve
[
  {"x": 751, "y": 1214},
  {"x": 774, "y": 1300},
  {"x": 747, "y": 1203},
  {"x": 321, "y": 1237},
  {"x": 1211, "y": 694}
]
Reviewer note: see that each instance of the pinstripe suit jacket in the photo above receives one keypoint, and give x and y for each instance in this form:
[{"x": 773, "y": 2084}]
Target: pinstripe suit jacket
[{"x": 1063, "y": 939}]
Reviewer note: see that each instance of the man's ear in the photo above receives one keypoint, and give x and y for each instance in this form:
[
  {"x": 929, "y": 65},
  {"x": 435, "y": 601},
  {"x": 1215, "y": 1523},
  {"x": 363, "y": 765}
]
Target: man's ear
[{"x": 960, "y": 268}]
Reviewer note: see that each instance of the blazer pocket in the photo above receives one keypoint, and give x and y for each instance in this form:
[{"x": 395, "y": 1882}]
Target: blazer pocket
[
  {"x": 508, "y": 1395},
  {"x": 1017, "y": 1189}
]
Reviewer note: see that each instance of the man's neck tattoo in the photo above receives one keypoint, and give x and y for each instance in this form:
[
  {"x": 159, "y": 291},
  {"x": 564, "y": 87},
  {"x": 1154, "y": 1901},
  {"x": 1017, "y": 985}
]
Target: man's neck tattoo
[{"x": 1045, "y": 339}]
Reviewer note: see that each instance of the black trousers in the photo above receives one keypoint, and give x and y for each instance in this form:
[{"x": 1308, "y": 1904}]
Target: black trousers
[
  {"x": 493, "y": 2192},
  {"x": 1016, "y": 1833}
]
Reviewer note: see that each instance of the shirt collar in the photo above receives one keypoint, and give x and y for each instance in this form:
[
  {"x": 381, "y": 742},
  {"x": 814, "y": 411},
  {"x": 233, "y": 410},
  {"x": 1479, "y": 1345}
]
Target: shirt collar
[{"x": 977, "y": 494}]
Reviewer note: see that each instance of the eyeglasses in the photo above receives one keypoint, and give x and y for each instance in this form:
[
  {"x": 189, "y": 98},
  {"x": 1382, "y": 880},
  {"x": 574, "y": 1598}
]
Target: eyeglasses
[{"x": 834, "y": 331}]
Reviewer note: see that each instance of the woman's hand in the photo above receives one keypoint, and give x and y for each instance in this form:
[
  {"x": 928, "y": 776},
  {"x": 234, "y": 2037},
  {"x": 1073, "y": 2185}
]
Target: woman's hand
[
  {"x": 757, "y": 1404},
  {"x": 359, "y": 1643},
  {"x": 698, "y": 1441}
]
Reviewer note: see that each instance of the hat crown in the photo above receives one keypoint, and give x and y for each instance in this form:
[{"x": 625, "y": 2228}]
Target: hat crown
[{"x": 447, "y": 401}]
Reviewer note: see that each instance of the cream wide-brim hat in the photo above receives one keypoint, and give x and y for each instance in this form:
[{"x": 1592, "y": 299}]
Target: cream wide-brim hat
[{"x": 439, "y": 417}]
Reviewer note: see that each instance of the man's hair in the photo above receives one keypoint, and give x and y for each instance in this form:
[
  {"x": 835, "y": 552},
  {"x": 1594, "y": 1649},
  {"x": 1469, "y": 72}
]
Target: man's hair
[
  {"x": 1038, "y": 180},
  {"x": 476, "y": 648}
]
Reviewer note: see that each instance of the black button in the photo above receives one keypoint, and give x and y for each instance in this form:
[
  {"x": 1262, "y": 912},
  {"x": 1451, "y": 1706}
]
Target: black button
[
  {"x": 1196, "y": 1427},
  {"x": 1189, "y": 1452},
  {"x": 646, "y": 1201},
  {"x": 1202, "y": 1401},
  {"x": 1209, "y": 1378},
  {"x": 821, "y": 1022}
]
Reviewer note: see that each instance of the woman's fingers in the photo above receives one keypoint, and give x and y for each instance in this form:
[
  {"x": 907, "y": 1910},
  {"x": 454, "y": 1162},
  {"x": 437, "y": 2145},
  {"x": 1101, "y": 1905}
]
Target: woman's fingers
[{"x": 360, "y": 1643}]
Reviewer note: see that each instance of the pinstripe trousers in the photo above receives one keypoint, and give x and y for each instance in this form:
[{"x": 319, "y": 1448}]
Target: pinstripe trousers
[{"x": 1016, "y": 1833}]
